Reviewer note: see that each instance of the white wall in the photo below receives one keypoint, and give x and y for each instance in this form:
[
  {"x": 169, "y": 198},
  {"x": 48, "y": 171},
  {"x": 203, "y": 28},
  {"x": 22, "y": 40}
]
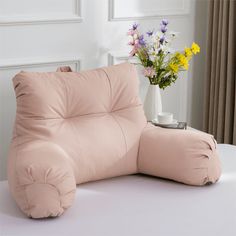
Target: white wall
[{"x": 44, "y": 34}]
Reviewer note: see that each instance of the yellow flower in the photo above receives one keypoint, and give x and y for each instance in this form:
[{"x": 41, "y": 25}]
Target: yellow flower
[
  {"x": 188, "y": 53},
  {"x": 174, "y": 68},
  {"x": 185, "y": 65},
  {"x": 182, "y": 60},
  {"x": 195, "y": 48}
]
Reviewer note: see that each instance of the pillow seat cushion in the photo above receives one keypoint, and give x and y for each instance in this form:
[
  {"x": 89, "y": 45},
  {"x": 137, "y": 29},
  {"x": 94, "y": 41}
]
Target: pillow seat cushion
[{"x": 72, "y": 128}]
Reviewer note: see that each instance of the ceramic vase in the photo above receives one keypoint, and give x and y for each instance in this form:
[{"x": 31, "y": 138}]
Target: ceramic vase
[{"x": 152, "y": 102}]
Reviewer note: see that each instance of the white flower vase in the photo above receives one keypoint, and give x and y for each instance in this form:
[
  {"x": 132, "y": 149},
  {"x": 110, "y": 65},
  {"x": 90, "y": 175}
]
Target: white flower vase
[{"x": 153, "y": 103}]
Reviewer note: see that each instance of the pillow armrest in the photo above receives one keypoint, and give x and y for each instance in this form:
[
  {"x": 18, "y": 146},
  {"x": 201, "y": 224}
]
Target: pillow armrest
[
  {"x": 187, "y": 156},
  {"x": 41, "y": 178}
]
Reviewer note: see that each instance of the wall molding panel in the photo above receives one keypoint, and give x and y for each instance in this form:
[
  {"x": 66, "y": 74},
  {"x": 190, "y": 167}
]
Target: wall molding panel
[
  {"x": 31, "y": 63},
  {"x": 182, "y": 10},
  {"x": 114, "y": 57},
  {"x": 49, "y": 18}
]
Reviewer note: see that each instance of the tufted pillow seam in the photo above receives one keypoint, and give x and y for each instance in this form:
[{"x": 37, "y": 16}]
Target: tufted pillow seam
[
  {"x": 78, "y": 116},
  {"x": 111, "y": 92},
  {"x": 122, "y": 131}
]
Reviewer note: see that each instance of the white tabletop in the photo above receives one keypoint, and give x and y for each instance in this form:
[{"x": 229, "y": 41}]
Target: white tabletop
[{"x": 137, "y": 205}]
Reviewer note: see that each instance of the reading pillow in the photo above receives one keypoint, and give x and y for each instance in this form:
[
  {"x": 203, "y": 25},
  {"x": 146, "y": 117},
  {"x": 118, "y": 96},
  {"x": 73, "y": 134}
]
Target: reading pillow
[{"x": 72, "y": 128}]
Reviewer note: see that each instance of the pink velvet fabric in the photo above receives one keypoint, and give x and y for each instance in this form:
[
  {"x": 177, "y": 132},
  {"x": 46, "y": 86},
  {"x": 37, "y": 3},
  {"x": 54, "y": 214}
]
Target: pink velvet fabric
[{"x": 75, "y": 127}]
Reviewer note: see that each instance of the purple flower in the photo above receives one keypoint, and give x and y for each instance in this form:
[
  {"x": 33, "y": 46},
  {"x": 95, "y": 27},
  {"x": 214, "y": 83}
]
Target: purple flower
[
  {"x": 141, "y": 40},
  {"x": 135, "y": 26},
  {"x": 149, "y": 33},
  {"x": 162, "y": 39},
  {"x": 165, "y": 22},
  {"x": 163, "y": 29}
]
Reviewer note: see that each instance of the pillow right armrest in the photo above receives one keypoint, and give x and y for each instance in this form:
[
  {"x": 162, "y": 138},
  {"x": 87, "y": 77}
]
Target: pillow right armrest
[{"x": 187, "y": 156}]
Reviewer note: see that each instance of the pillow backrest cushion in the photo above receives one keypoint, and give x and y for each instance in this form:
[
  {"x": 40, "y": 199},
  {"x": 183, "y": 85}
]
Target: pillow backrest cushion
[{"x": 95, "y": 116}]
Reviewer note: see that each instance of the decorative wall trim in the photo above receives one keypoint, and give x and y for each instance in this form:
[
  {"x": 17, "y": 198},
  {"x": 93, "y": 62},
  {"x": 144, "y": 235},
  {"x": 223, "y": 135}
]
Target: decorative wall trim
[
  {"x": 116, "y": 56},
  {"x": 119, "y": 56},
  {"x": 185, "y": 10},
  {"x": 74, "y": 17},
  {"x": 20, "y": 64}
]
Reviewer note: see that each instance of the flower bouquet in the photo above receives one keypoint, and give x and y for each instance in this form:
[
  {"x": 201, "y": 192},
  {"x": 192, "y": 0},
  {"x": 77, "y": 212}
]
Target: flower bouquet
[{"x": 161, "y": 64}]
